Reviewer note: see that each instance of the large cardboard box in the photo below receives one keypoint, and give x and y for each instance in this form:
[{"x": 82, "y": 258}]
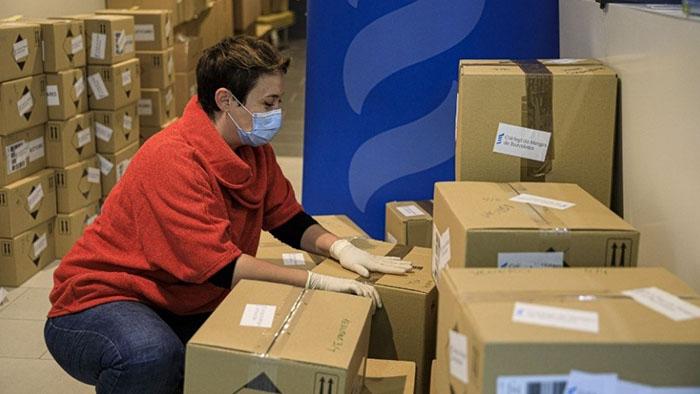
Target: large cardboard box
[
  {"x": 114, "y": 86},
  {"x": 245, "y": 13},
  {"x": 110, "y": 38},
  {"x": 22, "y": 103},
  {"x": 70, "y": 141},
  {"x": 115, "y": 130},
  {"x": 21, "y": 154},
  {"x": 187, "y": 53},
  {"x": 156, "y": 106},
  {"x": 113, "y": 166},
  {"x": 69, "y": 227},
  {"x": 410, "y": 223},
  {"x": 213, "y": 24},
  {"x": 26, "y": 254},
  {"x": 185, "y": 88},
  {"x": 405, "y": 328},
  {"x": 571, "y": 104},
  {"x": 153, "y": 29},
  {"x": 389, "y": 376},
  {"x": 157, "y": 68},
  {"x": 497, "y": 324},
  {"x": 78, "y": 185},
  {"x": 63, "y": 42},
  {"x": 268, "y": 337},
  {"x": 479, "y": 224},
  {"x": 174, "y": 6},
  {"x": 149, "y": 131},
  {"x": 27, "y": 203},
  {"x": 20, "y": 45},
  {"x": 66, "y": 95}
]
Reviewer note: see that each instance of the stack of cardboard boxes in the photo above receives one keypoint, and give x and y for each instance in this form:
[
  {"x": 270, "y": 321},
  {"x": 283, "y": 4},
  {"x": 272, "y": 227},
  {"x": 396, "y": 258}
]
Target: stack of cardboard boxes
[{"x": 187, "y": 53}]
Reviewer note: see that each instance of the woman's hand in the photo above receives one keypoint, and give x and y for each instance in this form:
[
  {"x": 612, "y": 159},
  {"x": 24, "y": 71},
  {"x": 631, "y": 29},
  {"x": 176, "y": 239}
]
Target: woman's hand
[{"x": 357, "y": 260}]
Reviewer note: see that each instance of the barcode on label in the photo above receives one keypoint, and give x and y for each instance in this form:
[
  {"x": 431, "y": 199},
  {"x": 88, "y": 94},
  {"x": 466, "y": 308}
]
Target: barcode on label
[
  {"x": 144, "y": 32},
  {"x": 98, "y": 44},
  {"x": 36, "y": 149},
  {"x": 531, "y": 384},
  {"x": 52, "y": 98},
  {"x": 16, "y": 154},
  {"x": 546, "y": 388}
]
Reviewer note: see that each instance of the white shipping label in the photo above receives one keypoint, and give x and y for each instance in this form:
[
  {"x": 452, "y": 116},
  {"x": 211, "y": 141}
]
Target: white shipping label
[
  {"x": 91, "y": 219},
  {"x": 144, "y": 33},
  {"x": 542, "y": 201},
  {"x": 293, "y": 259},
  {"x": 168, "y": 97},
  {"x": 664, "y": 303},
  {"x": 145, "y": 107},
  {"x": 76, "y": 44},
  {"x": 445, "y": 252},
  {"x": 256, "y": 315},
  {"x": 531, "y": 384},
  {"x": 52, "y": 98},
  {"x": 35, "y": 197},
  {"x": 97, "y": 86},
  {"x": 127, "y": 122},
  {"x": 126, "y": 78},
  {"x": 40, "y": 245},
  {"x": 531, "y": 260},
  {"x": 562, "y": 61},
  {"x": 120, "y": 40},
  {"x": 103, "y": 132},
  {"x": 93, "y": 175},
  {"x": 390, "y": 238},
  {"x": 79, "y": 87},
  {"x": 20, "y": 49},
  {"x": 410, "y": 211},
  {"x": 25, "y": 104},
  {"x": 521, "y": 142},
  {"x": 105, "y": 165},
  {"x": 121, "y": 168},
  {"x": 589, "y": 383},
  {"x": 36, "y": 149},
  {"x": 98, "y": 45},
  {"x": 84, "y": 137},
  {"x": 129, "y": 47},
  {"x": 171, "y": 65},
  {"x": 549, "y": 316},
  {"x": 168, "y": 28},
  {"x": 458, "y": 356},
  {"x": 17, "y": 155}
]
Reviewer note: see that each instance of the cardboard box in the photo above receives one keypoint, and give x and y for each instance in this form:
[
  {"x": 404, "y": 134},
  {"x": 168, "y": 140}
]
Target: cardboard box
[
  {"x": 110, "y": 38},
  {"x": 27, "y": 203},
  {"x": 433, "y": 367},
  {"x": 280, "y": 5},
  {"x": 187, "y": 53},
  {"x": 245, "y": 13},
  {"x": 193, "y": 8},
  {"x": 22, "y": 154},
  {"x": 115, "y": 130},
  {"x": 212, "y": 25},
  {"x": 149, "y": 131},
  {"x": 185, "y": 88},
  {"x": 389, "y": 376},
  {"x": 69, "y": 227},
  {"x": 78, "y": 185},
  {"x": 70, "y": 141},
  {"x": 341, "y": 225},
  {"x": 405, "y": 328},
  {"x": 174, "y": 6},
  {"x": 66, "y": 95},
  {"x": 20, "y": 45},
  {"x": 477, "y": 224},
  {"x": 22, "y": 103},
  {"x": 252, "y": 342},
  {"x": 114, "y": 86},
  {"x": 157, "y": 68},
  {"x": 26, "y": 254},
  {"x": 410, "y": 223},
  {"x": 153, "y": 29},
  {"x": 63, "y": 43},
  {"x": 487, "y": 331},
  {"x": 156, "y": 106},
  {"x": 113, "y": 166},
  {"x": 573, "y": 104}
]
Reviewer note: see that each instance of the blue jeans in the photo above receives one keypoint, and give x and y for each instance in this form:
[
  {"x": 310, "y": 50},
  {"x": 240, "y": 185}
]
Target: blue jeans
[{"x": 123, "y": 347}]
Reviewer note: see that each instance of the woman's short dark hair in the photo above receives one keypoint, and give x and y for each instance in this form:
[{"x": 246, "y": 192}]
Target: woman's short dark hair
[{"x": 235, "y": 63}]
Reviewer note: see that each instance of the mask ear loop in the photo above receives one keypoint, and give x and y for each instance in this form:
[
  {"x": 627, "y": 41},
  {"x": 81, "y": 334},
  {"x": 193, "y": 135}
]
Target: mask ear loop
[{"x": 231, "y": 117}]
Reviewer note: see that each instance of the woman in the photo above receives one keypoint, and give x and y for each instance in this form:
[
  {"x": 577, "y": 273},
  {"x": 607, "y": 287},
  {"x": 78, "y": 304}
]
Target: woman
[{"x": 181, "y": 228}]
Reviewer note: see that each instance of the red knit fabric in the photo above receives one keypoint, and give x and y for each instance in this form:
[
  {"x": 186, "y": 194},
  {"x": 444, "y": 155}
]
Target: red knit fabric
[{"x": 187, "y": 206}]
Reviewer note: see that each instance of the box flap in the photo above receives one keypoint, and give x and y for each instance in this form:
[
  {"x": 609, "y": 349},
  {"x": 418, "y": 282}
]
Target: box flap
[
  {"x": 389, "y": 376},
  {"x": 340, "y": 225},
  {"x": 511, "y": 67}
]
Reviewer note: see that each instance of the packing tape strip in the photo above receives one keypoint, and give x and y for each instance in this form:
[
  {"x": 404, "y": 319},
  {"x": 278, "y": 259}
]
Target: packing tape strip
[
  {"x": 552, "y": 225},
  {"x": 296, "y": 306},
  {"x": 544, "y": 296},
  {"x": 400, "y": 251}
]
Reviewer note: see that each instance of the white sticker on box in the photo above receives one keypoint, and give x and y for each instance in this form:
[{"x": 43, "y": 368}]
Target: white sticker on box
[
  {"x": 145, "y": 107},
  {"x": 91, "y": 219},
  {"x": 16, "y": 154},
  {"x": 97, "y": 86},
  {"x": 256, "y": 315},
  {"x": 20, "y": 49},
  {"x": 458, "y": 356},
  {"x": 562, "y": 61},
  {"x": 36, "y": 149},
  {"x": 171, "y": 65},
  {"x": 293, "y": 259},
  {"x": 121, "y": 168},
  {"x": 168, "y": 28},
  {"x": 441, "y": 251},
  {"x": 168, "y": 97},
  {"x": 79, "y": 87},
  {"x": 144, "y": 33},
  {"x": 129, "y": 47},
  {"x": 52, "y": 98},
  {"x": 529, "y": 384},
  {"x": 105, "y": 165},
  {"x": 588, "y": 383},
  {"x": 84, "y": 137},
  {"x": 40, "y": 245},
  {"x": 119, "y": 42},
  {"x": 664, "y": 303},
  {"x": 98, "y": 45},
  {"x": 542, "y": 201},
  {"x": 76, "y": 44},
  {"x": 35, "y": 197},
  {"x": 25, "y": 104},
  {"x": 127, "y": 122},
  {"x": 445, "y": 252},
  {"x": 103, "y": 132},
  {"x": 126, "y": 78},
  {"x": 93, "y": 175},
  {"x": 390, "y": 238},
  {"x": 410, "y": 211},
  {"x": 531, "y": 260},
  {"x": 521, "y": 142},
  {"x": 549, "y": 316}
]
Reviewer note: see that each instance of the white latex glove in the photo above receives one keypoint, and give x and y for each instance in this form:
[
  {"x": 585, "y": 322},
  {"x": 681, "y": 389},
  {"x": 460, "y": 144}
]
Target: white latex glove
[
  {"x": 330, "y": 283},
  {"x": 357, "y": 260}
]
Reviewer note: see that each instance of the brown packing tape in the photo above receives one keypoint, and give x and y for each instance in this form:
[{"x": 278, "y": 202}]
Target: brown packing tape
[
  {"x": 426, "y": 205},
  {"x": 279, "y": 338}
]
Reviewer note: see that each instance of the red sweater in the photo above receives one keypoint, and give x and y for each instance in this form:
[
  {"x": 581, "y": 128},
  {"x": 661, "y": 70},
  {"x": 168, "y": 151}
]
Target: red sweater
[{"x": 187, "y": 206}]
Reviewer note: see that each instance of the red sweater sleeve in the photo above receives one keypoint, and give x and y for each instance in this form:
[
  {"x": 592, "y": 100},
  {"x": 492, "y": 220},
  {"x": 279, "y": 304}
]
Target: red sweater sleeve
[{"x": 280, "y": 202}]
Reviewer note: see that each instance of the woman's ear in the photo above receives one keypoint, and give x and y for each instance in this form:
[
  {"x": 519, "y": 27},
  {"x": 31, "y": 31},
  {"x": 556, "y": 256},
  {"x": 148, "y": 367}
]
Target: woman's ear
[{"x": 223, "y": 99}]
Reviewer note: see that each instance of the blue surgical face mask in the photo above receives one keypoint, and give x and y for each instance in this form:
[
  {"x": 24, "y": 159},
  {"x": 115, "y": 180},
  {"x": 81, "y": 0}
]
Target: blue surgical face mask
[{"x": 265, "y": 126}]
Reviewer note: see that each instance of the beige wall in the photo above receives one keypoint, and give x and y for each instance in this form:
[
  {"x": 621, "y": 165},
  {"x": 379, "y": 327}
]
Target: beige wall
[
  {"x": 657, "y": 58},
  {"x": 46, "y": 8}
]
